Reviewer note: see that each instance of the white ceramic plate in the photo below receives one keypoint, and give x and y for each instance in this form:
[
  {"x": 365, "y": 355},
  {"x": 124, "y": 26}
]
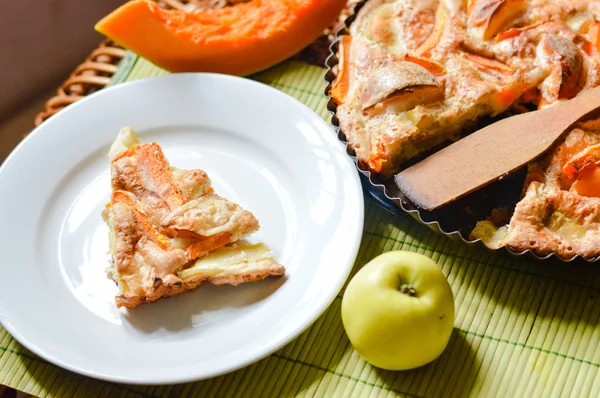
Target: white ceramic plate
[{"x": 261, "y": 148}]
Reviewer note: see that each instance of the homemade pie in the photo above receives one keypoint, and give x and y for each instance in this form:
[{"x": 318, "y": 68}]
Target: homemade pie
[
  {"x": 415, "y": 73},
  {"x": 169, "y": 231},
  {"x": 560, "y": 209}
]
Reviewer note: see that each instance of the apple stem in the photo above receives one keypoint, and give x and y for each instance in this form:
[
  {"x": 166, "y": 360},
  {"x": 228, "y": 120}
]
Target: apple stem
[{"x": 408, "y": 289}]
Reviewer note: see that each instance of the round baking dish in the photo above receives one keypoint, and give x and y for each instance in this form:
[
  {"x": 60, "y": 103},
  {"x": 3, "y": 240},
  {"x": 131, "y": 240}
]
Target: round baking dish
[{"x": 455, "y": 220}]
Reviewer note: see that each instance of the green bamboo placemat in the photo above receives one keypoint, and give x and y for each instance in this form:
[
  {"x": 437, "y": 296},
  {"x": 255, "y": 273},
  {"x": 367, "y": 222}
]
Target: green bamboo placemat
[{"x": 522, "y": 329}]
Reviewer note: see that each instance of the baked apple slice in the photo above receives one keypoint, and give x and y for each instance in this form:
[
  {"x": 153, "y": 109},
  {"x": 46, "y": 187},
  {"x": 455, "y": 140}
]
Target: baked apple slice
[
  {"x": 566, "y": 63},
  {"x": 441, "y": 20},
  {"x": 494, "y": 16},
  {"x": 400, "y": 86}
]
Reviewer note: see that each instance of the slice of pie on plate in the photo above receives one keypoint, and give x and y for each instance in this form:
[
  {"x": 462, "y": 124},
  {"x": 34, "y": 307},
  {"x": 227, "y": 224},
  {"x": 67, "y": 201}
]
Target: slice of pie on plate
[{"x": 169, "y": 231}]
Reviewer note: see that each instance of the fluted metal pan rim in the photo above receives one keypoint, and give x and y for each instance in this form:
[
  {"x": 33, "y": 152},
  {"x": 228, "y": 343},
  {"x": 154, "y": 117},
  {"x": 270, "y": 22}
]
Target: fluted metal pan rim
[{"x": 404, "y": 204}]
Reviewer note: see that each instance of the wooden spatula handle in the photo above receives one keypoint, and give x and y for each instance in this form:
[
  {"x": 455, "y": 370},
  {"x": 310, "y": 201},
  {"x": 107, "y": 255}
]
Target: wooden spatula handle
[
  {"x": 571, "y": 111},
  {"x": 492, "y": 152}
]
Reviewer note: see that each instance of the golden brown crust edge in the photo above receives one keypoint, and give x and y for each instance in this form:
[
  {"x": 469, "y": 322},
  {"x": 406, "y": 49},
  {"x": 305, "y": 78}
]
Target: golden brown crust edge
[{"x": 167, "y": 291}]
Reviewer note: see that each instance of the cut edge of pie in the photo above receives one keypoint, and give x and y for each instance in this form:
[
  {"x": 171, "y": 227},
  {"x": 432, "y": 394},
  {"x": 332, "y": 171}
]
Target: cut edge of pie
[
  {"x": 169, "y": 232},
  {"x": 559, "y": 212}
]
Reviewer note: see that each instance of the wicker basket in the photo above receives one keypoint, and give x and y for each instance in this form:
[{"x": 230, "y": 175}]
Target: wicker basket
[{"x": 97, "y": 70}]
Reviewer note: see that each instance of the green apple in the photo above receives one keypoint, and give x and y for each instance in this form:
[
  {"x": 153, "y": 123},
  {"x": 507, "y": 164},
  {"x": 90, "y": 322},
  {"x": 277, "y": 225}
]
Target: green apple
[{"x": 398, "y": 311}]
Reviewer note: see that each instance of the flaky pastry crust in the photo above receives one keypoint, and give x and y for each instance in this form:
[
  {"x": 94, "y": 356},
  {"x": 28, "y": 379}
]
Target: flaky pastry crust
[{"x": 163, "y": 223}]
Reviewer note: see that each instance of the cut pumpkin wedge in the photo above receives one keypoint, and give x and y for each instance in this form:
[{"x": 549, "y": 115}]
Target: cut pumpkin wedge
[{"x": 239, "y": 40}]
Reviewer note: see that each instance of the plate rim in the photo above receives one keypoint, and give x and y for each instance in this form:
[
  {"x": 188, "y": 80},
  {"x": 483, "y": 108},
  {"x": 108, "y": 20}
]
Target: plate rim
[{"x": 306, "y": 323}]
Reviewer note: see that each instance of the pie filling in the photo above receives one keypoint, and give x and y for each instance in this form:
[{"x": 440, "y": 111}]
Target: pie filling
[
  {"x": 415, "y": 73},
  {"x": 560, "y": 209}
]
